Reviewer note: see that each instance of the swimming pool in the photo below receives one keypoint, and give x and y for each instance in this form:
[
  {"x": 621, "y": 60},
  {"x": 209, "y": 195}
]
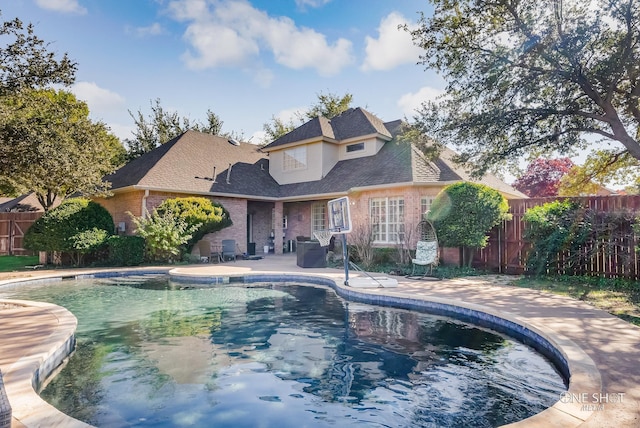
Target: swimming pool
[{"x": 156, "y": 353}]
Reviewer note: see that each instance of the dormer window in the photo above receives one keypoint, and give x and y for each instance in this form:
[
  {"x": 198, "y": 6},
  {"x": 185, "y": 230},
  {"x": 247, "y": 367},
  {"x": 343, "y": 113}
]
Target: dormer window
[
  {"x": 295, "y": 159},
  {"x": 355, "y": 147}
]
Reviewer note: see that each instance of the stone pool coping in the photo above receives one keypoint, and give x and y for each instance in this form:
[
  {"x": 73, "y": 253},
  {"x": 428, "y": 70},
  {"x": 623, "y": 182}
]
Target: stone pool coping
[{"x": 585, "y": 373}]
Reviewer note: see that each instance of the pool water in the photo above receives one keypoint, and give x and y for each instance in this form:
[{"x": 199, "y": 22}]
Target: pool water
[{"x": 151, "y": 352}]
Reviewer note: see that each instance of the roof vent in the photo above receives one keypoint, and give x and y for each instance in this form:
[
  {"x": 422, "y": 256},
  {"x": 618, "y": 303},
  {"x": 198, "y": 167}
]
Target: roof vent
[{"x": 233, "y": 142}]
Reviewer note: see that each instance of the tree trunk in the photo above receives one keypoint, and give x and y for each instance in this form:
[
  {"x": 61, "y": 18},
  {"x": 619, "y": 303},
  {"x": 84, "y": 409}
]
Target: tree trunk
[{"x": 467, "y": 256}]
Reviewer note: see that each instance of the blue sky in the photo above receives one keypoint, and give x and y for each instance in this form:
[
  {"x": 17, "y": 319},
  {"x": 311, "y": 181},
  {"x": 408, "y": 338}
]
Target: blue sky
[{"x": 245, "y": 60}]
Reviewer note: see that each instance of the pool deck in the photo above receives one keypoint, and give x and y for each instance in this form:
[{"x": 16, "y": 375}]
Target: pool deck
[{"x": 603, "y": 351}]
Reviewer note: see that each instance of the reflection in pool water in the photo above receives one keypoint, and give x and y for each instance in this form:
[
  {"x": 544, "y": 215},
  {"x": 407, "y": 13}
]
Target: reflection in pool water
[{"x": 155, "y": 353}]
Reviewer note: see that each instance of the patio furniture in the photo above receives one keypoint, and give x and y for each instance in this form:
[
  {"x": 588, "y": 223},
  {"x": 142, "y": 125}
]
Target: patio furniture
[
  {"x": 205, "y": 250},
  {"x": 426, "y": 255},
  {"x": 229, "y": 249},
  {"x": 209, "y": 252},
  {"x": 426, "y": 250},
  {"x": 309, "y": 254}
]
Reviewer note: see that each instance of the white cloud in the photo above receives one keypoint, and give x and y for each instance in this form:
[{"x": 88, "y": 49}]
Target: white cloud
[
  {"x": 290, "y": 114},
  {"x": 154, "y": 29},
  {"x": 258, "y": 137},
  {"x": 262, "y": 76},
  {"x": 311, "y": 3},
  {"x": 232, "y": 33},
  {"x": 64, "y": 6},
  {"x": 98, "y": 99},
  {"x": 393, "y": 46},
  {"x": 411, "y": 102}
]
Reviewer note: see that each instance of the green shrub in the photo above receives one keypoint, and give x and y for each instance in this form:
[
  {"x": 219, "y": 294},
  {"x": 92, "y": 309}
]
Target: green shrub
[
  {"x": 164, "y": 235},
  {"x": 126, "y": 250},
  {"x": 464, "y": 213},
  {"x": 77, "y": 226},
  {"x": 565, "y": 236},
  {"x": 553, "y": 228},
  {"x": 384, "y": 256},
  {"x": 210, "y": 216}
]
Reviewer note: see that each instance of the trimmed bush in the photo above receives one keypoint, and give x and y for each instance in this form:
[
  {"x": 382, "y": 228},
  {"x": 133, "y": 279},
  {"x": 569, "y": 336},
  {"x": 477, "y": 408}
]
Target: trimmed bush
[
  {"x": 464, "y": 213},
  {"x": 208, "y": 215},
  {"x": 126, "y": 250},
  {"x": 77, "y": 226}
]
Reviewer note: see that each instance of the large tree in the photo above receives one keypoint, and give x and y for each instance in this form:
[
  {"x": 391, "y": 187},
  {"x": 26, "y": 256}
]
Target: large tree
[
  {"x": 161, "y": 126},
  {"x": 51, "y": 147},
  {"x": 328, "y": 105},
  {"x": 27, "y": 62},
  {"x": 542, "y": 177},
  {"x": 529, "y": 77}
]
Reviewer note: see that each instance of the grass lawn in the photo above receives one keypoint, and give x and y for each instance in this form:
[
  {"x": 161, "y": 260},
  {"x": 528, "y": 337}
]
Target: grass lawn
[
  {"x": 12, "y": 263},
  {"x": 619, "y": 298}
]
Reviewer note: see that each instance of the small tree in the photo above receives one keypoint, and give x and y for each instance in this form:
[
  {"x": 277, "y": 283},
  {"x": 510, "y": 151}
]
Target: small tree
[
  {"x": 464, "y": 213},
  {"x": 164, "y": 235},
  {"x": 210, "y": 216},
  {"x": 361, "y": 240},
  {"x": 543, "y": 177},
  {"x": 77, "y": 226}
]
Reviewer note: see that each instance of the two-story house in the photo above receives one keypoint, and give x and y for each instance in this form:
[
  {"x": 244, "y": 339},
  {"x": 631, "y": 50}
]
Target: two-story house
[{"x": 280, "y": 191}]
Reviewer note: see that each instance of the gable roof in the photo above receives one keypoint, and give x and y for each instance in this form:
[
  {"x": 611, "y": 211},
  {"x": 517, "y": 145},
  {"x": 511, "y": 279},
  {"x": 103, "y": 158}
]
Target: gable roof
[
  {"x": 396, "y": 162},
  {"x": 187, "y": 163},
  {"x": 351, "y": 123}
]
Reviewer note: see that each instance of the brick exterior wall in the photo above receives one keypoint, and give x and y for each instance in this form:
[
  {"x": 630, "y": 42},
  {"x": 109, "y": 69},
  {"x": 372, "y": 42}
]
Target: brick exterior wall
[
  {"x": 261, "y": 217},
  {"x": 121, "y": 203},
  {"x": 238, "y": 230},
  {"x": 412, "y": 212},
  {"x": 298, "y": 214},
  {"x": 298, "y": 219}
]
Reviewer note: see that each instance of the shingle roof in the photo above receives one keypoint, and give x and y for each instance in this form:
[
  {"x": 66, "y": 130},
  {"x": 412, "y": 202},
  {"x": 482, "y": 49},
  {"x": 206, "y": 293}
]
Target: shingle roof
[
  {"x": 392, "y": 164},
  {"x": 25, "y": 202},
  {"x": 187, "y": 163},
  {"x": 349, "y": 124}
]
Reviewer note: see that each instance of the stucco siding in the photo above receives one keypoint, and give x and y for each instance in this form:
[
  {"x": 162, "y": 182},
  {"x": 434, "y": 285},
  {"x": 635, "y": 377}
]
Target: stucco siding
[{"x": 312, "y": 171}]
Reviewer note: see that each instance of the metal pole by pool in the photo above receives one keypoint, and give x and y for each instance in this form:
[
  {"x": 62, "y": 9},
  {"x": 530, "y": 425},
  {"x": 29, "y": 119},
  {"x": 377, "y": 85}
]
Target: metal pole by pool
[{"x": 345, "y": 258}]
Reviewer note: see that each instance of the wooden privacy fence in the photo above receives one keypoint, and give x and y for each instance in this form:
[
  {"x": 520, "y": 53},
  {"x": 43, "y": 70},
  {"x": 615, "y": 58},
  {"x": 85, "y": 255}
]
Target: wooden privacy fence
[
  {"x": 13, "y": 225},
  {"x": 507, "y": 251}
]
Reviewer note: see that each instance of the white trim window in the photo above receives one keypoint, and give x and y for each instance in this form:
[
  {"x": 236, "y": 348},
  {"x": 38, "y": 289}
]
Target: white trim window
[
  {"x": 355, "y": 147},
  {"x": 387, "y": 219},
  {"x": 294, "y": 159},
  {"x": 425, "y": 205},
  {"x": 318, "y": 217}
]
